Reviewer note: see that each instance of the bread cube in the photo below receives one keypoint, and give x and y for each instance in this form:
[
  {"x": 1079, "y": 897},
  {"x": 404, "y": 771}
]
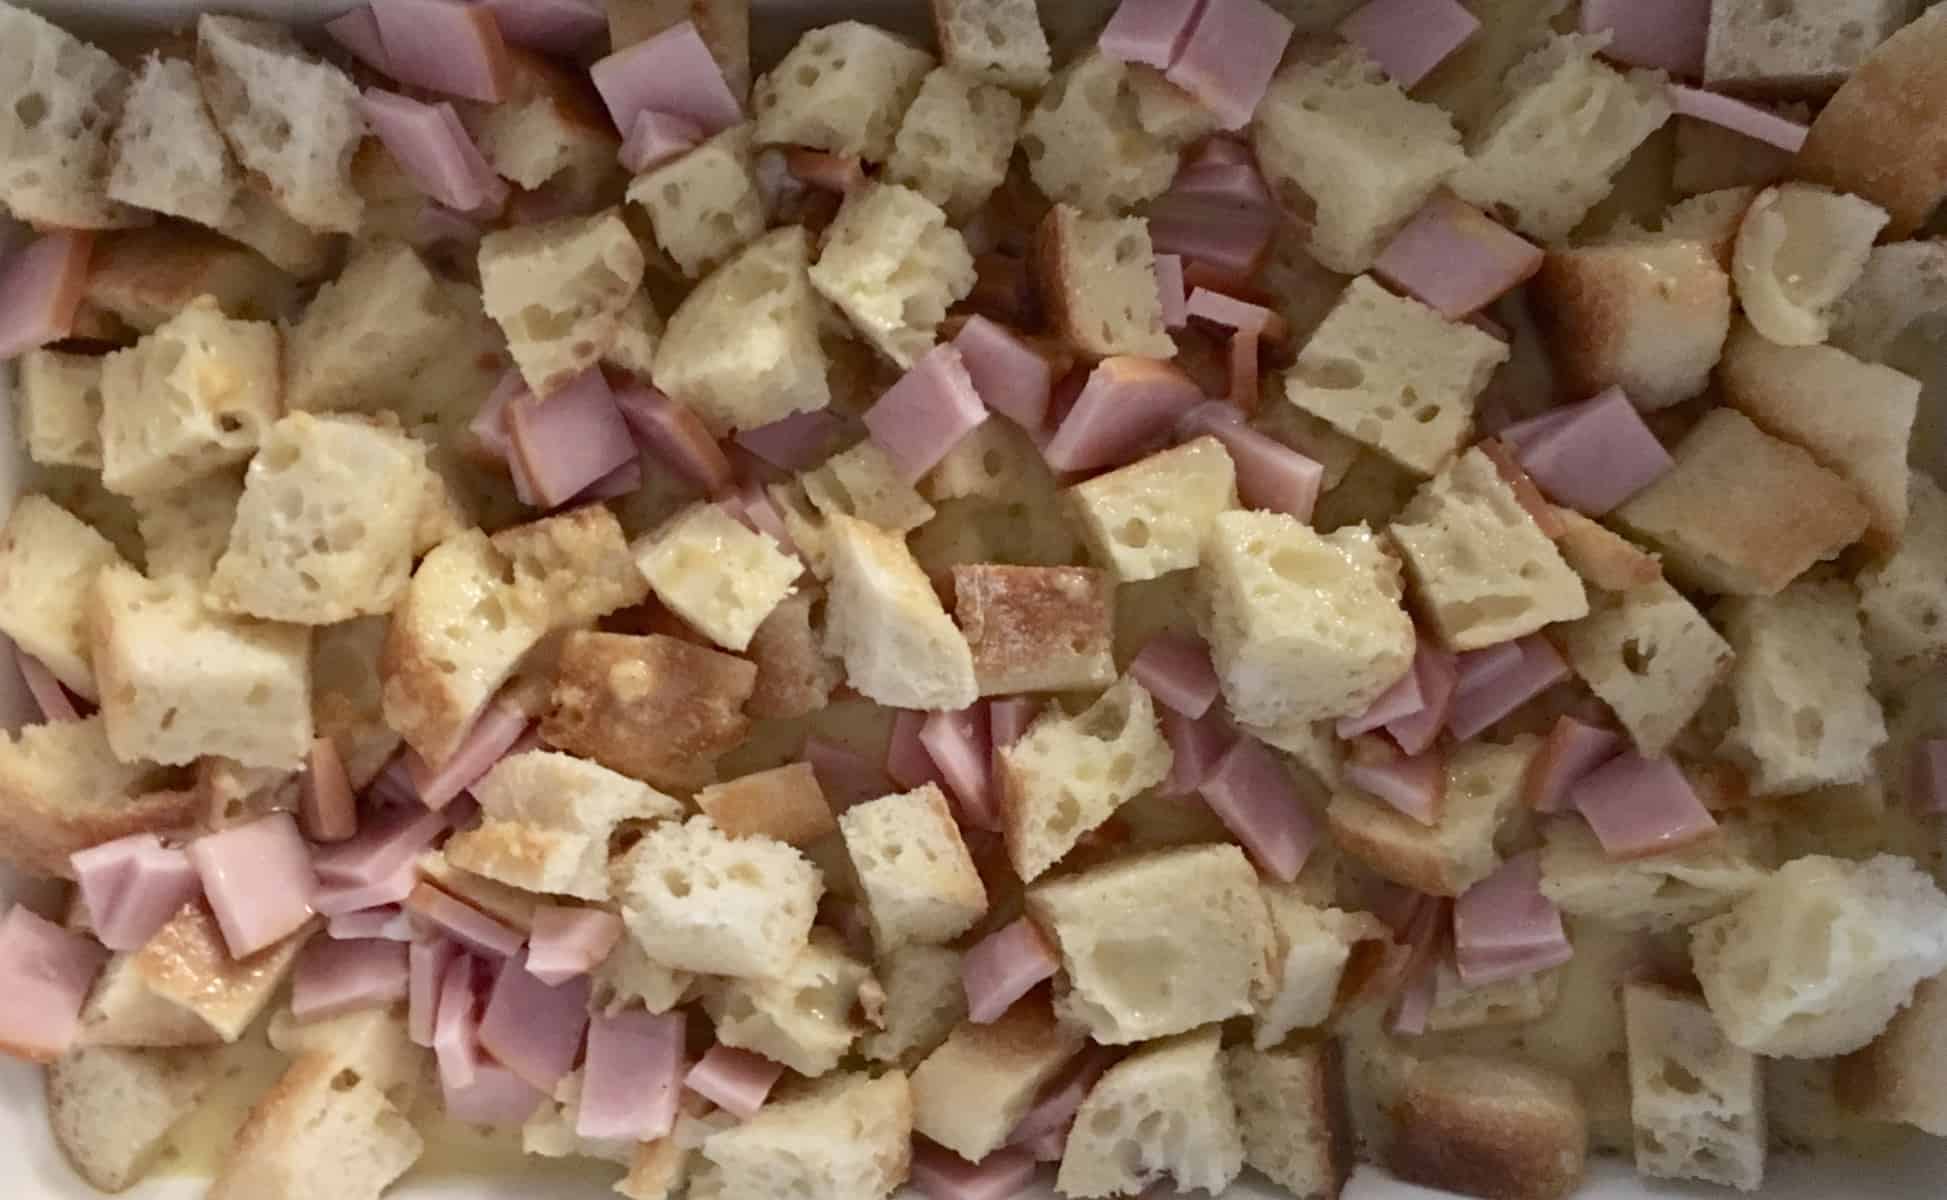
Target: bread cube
[
  {"x": 1648, "y": 316},
  {"x": 1085, "y": 144},
  {"x": 1314, "y": 943},
  {"x": 62, "y": 789},
  {"x": 1696, "y": 1100},
  {"x": 742, "y": 349},
  {"x": 795, "y": 677},
  {"x": 925, "y": 1001},
  {"x": 628, "y": 977},
  {"x": 700, "y": 900},
  {"x": 1339, "y": 141},
  {"x": 60, "y": 408},
  {"x": 704, "y": 204},
  {"x": 654, "y": 708},
  {"x": 348, "y": 696},
  {"x": 186, "y": 530},
  {"x": 191, "y": 398},
  {"x": 716, "y": 574},
  {"x": 996, "y": 461},
  {"x": 955, "y": 140},
  {"x": 166, "y": 154},
  {"x": 1147, "y": 519},
  {"x": 1201, "y": 957},
  {"x": 894, "y": 266},
  {"x": 558, "y": 290},
  {"x": 1483, "y": 790},
  {"x": 804, "y": 1018},
  {"x": 884, "y": 620},
  {"x": 292, "y": 120},
  {"x": 1798, "y": 249},
  {"x": 1787, "y": 391},
  {"x": 318, "y": 1123},
  {"x": 784, "y": 803},
  {"x": 1662, "y": 891},
  {"x": 60, "y": 100},
  {"x": 378, "y": 321},
  {"x": 112, "y": 1110},
  {"x": 1762, "y": 49},
  {"x": 1392, "y": 374},
  {"x": 1301, "y": 627},
  {"x": 1606, "y": 560},
  {"x": 1806, "y": 715},
  {"x": 1067, "y": 775},
  {"x": 143, "y": 277},
  {"x": 1899, "y": 596},
  {"x": 999, "y": 41},
  {"x": 1291, "y": 1115},
  {"x": 1819, "y": 957},
  {"x": 1175, "y": 1087},
  {"x": 847, "y": 1138},
  {"x": 1650, "y": 656},
  {"x": 1554, "y": 148},
  {"x": 1098, "y": 279},
  {"x": 1515, "y": 1001},
  {"x": 1489, "y": 1127},
  {"x": 1715, "y": 514},
  {"x": 1036, "y": 629},
  {"x": 48, "y": 564},
  {"x": 862, "y": 482},
  {"x": 1896, "y": 1077},
  {"x": 969, "y": 1094},
  {"x": 919, "y": 881},
  {"x": 842, "y": 88},
  {"x": 183, "y": 987},
  {"x": 1903, "y": 286},
  {"x": 549, "y": 130}
]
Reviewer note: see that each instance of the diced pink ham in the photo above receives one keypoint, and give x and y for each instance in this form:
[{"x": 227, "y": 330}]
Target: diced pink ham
[
  {"x": 1505, "y": 928},
  {"x": 40, "y": 289},
  {"x": 940, "y": 1174},
  {"x": 1415, "y": 784},
  {"x": 1597, "y": 456},
  {"x": 1929, "y": 776},
  {"x": 673, "y": 73},
  {"x": 1456, "y": 259},
  {"x": 1230, "y": 57},
  {"x": 1170, "y": 290},
  {"x": 327, "y": 810},
  {"x": 46, "y": 973},
  {"x": 1474, "y": 709},
  {"x": 258, "y": 879},
  {"x": 1048, "y": 1147},
  {"x": 1241, "y": 315},
  {"x": 1641, "y": 806},
  {"x": 1152, "y": 32},
  {"x": 1437, "y": 676},
  {"x": 566, "y": 942},
  {"x": 132, "y": 887},
  {"x": 1415, "y": 1001},
  {"x": 1005, "y": 966},
  {"x": 571, "y": 438},
  {"x": 1175, "y": 668},
  {"x": 492, "y": 735},
  {"x": 387, "y": 921},
  {"x": 752, "y": 505},
  {"x": 1270, "y": 475},
  {"x": 435, "y": 150},
  {"x": 462, "y": 922},
  {"x": 844, "y": 775},
  {"x": 634, "y": 1076},
  {"x": 333, "y": 978},
  {"x": 532, "y": 1029},
  {"x": 357, "y": 30},
  {"x": 676, "y": 437},
  {"x": 1127, "y": 406},
  {"x": 337, "y": 899},
  {"x": 456, "y": 1025},
  {"x": 1478, "y": 668},
  {"x": 734, "y": 1080},
  {"x": 1054, "y": 1109},
  {"x": 1739, "y": 117},
  {"x": 390, "y": 839},
  {"x": 496, "y": 1096},
  {"x": 1666, "y": 35},
  {"x": 625, "y": 480},
  {"x": 962, "y": 749},
  {"x": 1250, "y": 792},
  {"x": 1427, "y": 936},
  {"x": 1009, "y": 717},
  {"x": 1572, "y": 750},
  {"x": 798, "y": 442},
  {"x": 1244, "y": 385},
  {"x": 1217, "y": 178},
  {"x": 923, "y": 416},
  {"x": 1402, "y": 699},
  {"x": 562, "y": 27},
  {"x": 489, "y": 425},
  {"x": 907, "y": 760},
  {"x": 428, "y": 964},
  {"x": 1522, "y": 434},
  {"x": 1011, "y": 377},
  {"x": 1196, "y": 746},
  {"x": 1408, "y": 38},
  {"x": 52, "y": 699},
  {"x": 1220, "y": 214},
  {"x": 445, "y": 46},
  {"x": 657, "y": 138}
]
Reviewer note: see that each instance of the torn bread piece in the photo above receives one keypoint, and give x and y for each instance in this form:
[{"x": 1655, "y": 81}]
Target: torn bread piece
[
  {"x": 704, "y": 204},
  {"x": 62, "y": 789},
  {"x": 1036, "y": 629},
  {"x": 59, "y": 405},
  {"x": 806, "y": 1018},
  {"x": 1895, "y": 1078},
  {"x": 893, "y": 265},
  {"x": 60, "y": 99},
  {"x": 1649, "y": 316},
  {"x": 1649, "y": 655},
  {"x": 368, "y": 334},
  {"x": 1798, "y": 249},
  {"x": 1085, "y": 144},
  {"x": 712, "y": 571},
  {"x": 1147, "y": 519},
  {"x": 699, "y": 900},
  {"x": 884, "y": 620},
  {"x": 842, "y": 88},
  {"x": 49, "y": 559},
  {"x": 1489, "y": 1127},
  {"x": 847, "y": 1137},
  {"x": 1098, "y": 279},
  {"x": 1696, "y": 1100},
  {"x": 559, "y": 290},
  {"x": 1165, "y": 1111},
  {"x": 322, "y": 1131},
  {"x": 166, "y": 154},
  {"x": 955, "y": 140},
  {"x": 654, "y": 708},
  {"x": 918, "y": 879},
  {"x": 999, "y": 41},
  {"x": 183, "y": 987},
  {"x": 1482, "y": 790},
  {"x": 112, "y": 1109},
  {"x": 1899, "y": 595},
  {"x": 1291, "y": 1112},
  {"x": 1760, "y": 49},
  {"x": 972, "y": 1092}
]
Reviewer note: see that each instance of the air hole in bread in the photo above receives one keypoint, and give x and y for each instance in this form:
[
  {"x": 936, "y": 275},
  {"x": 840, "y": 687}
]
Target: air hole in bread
[
  {"x": 1674, "y": 1077},
  {"x": 1134, "y": 533},
  {"x": 807, "y": 76},
  {"x": 345, "y": 1080},
  {"x": 1635, "y": 658},
  {"x": 31, "y": 109},
  {"x": 1332, "y": 375},
  {"x": 676, "y": 883},
  {"x": 1808, "y": 724}
]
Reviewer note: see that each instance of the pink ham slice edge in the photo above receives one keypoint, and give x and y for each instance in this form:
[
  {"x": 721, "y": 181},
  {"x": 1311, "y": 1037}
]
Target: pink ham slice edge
[
  {"x": 634, "y": 1075},
  {"x": 46, "y": 973},
  {"x": 1151, "y": 32},
  {"x": 444, "y": 46},
  {"x": 672, "y": 72},
  {"x": 1176, "y": 670},
  {"x": 1408, "y": 38},
  {"x": 1474, "y": 709},
  {"x": 1010, "y": 376},
  {"x": 1572, "y": 749},
  {"x": 569, "y": 439},
  {"x": 492, "y": 735},
  {"x": 465, "y": 924},
  {"x": 533, "y": 1029},
  {"x": 1641, "y": 806},
  {"x": 922, "y": 417},
  {"x": 798, "y": 442},
  {"x": 1054, "y": 1109},
  {"x": 1270, "y": 475},
  {"x": 566, "y": 942},
  {"x": 40, "y": 289},
  {"x": 676, "y": 437},
  {"x": 961, "y": 746},
  {"x": 1252, "y": 795},
  {"x": 1739, "y": 117},
  {"x": 1596, "y": 456},
  {"x": 327, "y": 810},
  {"x": 1126, "y": 405},
  {"x": 1455, "y": 259},
  {"x": 657, "y": 138},
  {"x": 50, "y": 696},
  {"x": 132, "y": 887},
  {"x": 1005, "y": 966},
  {"x": 258, "y": 879},
  {"x": 1437, "y": 677},
  {"x": 386, "y": 921},
  {"x": 733, "y": 1079},
  {"x": 1666, "y": 35},
  {"x": 437, "y": 153},
  {"x": 1504, "y": 927},
  {"x": 560, "y": 27},
  {"x": 940, "y": 1174},
  {"x": 428, "y": 963},
  {"x": 844, "y": 775},
  {"x": 1415, "y": 785},
  {"x": 1230, "y": 57},
  {"x": 1196, "y": 745},
  {"x": 333, "y": 978}
]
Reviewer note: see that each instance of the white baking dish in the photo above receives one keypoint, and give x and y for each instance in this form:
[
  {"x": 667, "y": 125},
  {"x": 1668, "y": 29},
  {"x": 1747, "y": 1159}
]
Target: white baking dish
[{"x": 31, "y": 1168}]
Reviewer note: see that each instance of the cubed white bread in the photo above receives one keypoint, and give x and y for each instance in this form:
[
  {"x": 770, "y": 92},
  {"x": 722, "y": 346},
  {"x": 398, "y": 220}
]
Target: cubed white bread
[
  {"x": 550, "y": 130},
  {"x": 1712, "y": 218},
  {"x": 372, "y": 1041},
  {"x": 715, "y": 573},
  {"x": 1799, "y": 248},
  {"x": 955, "y": 140},
  {"x": 1817, "y": 959},
  {"x": 1696, "y": 1100},
  {"x": 1483, "y": 790},
  {"x": 969, "y": 1094},
  {"x": 183, "y": 988},
  {"x": 1098, "y": 280},
  {"x": 230, "y": 794},
  {"x": 60, "y": 100},
  {"x": 848, "y": 1137},
  {"x": 699, "y": 900},
  {"x": 659, "y": 1170},
  {"x": 1481, "y": 567},
  {"x": 59, "y": 405},
  {"x": 654, "y": 708},
  {"x": 1148, "y": 519},
  {"x": 570, "y": 568},
  {"x": 1763, "y": 49},
  {"x": 1649, "y": 655},
  {"x": 1554, "y": 147},
  {"x": 806, "y": 1018},
  {"x": 884, "y": 620},
  {"x": 704, "y": 204},
  {"x": 925, "y": 1001},
  {"x": 1899, "y": 595},
  {"x": 1662, "y": 891},
  {"x": 1085, "y": 144},
  {"x": 1489, "y": 1127},
  {"x": 863, "y": 482},
  {"x": 1787, "y": 392},
  {"x": 1606, "y": 560},
  {"x": 1712, "y": 157},
  {"x": 291, "y": 119},
  {"x": 1806, "y": 714},
  {"x": 842, "y": 88},
  {"x": 1805, "y": 1113},
  {"x": 1067, "y": 775},
  {"x": 919, "y": 880},
  {"x": 795, "y": 677},
  {"x": 1291, "y": 1113},
  {"x": 999, "y": 41},
  {"x": 166, "y": 154},
  {"x": 322, "y": 1132},
  {"x": 1467, "y": 83},
  {"x": 784, "y": 803},
  {"x": 256, "y": 221},
  {"x": 1516, "y": 1001},
  {"x": 1649, "y": 316},
  {"x": 62, "y": 789},
  {"x": 1301, "y": 627},
  {"x": 724, "y": 26},
  {"x": 111, "y": 1110},
  {"x": 368, "y": 330},
  {"x": 629, "y": 977},
  {"x": 558, "y": 290},
  {"x": 48, "y": 563},
  {"x": 996, "y": 461},
  {"x": 1166, "y": 110},
  {"x": 1165, "y": 1111},
  {"x": 893, "y": 265},
  {"x": 1715, "y": 516},
  {"x": 1897, "y": 1077},
  {"x": 1901, "y": 291},
  {"x": 190, "y": 398},
  {"x": 1204, "y": 956},
  {"x": 1313, "y": 944},
  {"x": 1037, "y": 629},
  {"x": 634, "y": 347},
  {"x": 1339, "y": 141},
  {"x": 742, "y": 349},
  {"x": 1392, "y": 374}
]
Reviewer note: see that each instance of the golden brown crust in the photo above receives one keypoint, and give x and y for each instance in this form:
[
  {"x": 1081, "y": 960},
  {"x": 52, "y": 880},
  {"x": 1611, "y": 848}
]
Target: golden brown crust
[
  {"x": 1036, "y": 628},
  {"x": 187, "y": 962},
  {"x": 40, "y": 826},
  {"x": 1603, "y": 559},
  {"x": 784, "y": 803},
  {"x": 653, "y": 708},
  {"x": 146, "y": 276},
  {"x": 571, "y": 567},
  {"x": 1393, "y": 844},
  {"x": 1489, "y": 1128},
  {"x": 1592, "y": 299}
]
